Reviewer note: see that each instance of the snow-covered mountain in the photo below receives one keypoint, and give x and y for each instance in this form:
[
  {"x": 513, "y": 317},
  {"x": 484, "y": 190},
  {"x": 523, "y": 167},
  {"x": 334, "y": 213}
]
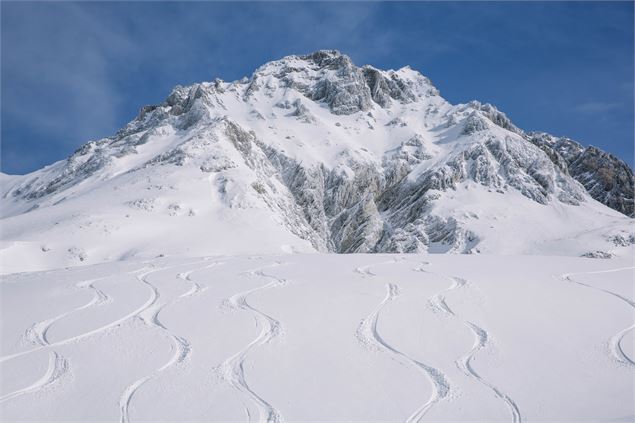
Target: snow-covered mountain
[{"x": 313, "y": 153}]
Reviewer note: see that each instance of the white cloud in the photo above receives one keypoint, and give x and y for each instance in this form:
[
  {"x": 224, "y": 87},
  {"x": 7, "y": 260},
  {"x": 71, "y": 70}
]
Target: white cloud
[{"x": 596, "y": 107}]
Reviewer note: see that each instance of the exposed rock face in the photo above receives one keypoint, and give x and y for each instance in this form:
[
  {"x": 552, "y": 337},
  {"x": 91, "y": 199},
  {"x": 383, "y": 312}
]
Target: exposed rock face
[
  {"x": 608, "y": 179},
  {"x": 605, "y": 177},
  {"x": 350, "y": 159}
]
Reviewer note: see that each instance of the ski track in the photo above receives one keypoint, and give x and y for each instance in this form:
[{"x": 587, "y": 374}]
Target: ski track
[
  {"x": 615, "y": 342},
  {"x": 78, "y": 337},
  {"x": 366, "y": 272},
  {"x": 38, "y": 335},
  {"x": 232, "y": 370},
  {"x": 58, "y": 365},
  {"x": 481, "y": 339},
  {"x": 369, "y": 336},
  {"x": 150, "y": 317},
  {"x": 464, "y": 363}
]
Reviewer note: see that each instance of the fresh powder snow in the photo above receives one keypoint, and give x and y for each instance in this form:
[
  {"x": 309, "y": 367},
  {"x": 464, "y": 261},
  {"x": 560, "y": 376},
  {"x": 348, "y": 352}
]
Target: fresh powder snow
[{"x": 321, "y": 337}]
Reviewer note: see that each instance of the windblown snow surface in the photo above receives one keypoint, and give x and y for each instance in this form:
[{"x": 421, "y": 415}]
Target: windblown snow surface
[{"x": 321, "y": 337}]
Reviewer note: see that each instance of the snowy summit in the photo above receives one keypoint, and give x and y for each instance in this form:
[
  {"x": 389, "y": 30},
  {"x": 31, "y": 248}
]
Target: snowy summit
[{"x": 313, "y": 153}]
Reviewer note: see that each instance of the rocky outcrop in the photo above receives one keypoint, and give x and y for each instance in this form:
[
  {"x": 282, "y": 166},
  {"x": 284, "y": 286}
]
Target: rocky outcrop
[{"x": 606, "y": 178}]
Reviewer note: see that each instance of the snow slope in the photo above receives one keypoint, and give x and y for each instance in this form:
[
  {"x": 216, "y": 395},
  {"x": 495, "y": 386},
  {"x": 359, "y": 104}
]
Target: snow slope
[
  {"x": 314, "y": 154},
  {"x": 321, "y": 337}
]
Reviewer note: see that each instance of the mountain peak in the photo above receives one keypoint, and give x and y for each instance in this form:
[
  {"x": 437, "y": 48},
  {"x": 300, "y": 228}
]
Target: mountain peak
[
  {"x": 325, "y": 58},
  {"x": 315, "y": 153},
  {"x": 331, "y": 77}
]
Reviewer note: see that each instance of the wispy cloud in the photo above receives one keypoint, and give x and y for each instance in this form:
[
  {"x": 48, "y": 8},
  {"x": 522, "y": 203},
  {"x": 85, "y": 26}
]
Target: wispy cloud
[
  {"x": 596, "y": 107},
  {"x": 60, "y": 62}
]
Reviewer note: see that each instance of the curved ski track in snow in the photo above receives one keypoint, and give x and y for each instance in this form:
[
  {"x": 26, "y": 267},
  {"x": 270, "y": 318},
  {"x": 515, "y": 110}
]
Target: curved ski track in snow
[
  {"x": 82, "y": 335},
  {"x": 38, "y": 335},
  {"x": 366, "y": 272},
  {"x": 464, "y": 363},
  {"x": 57, "y": 365},
  {"x": 39, "y": 331},
  {"x": 232, "y": 370},
  {"x": 150, "y": 316},
  {"x": 438, "y": 303},
  {"x": 615, "y": 342},
  {"x": 369, "y": 336}
]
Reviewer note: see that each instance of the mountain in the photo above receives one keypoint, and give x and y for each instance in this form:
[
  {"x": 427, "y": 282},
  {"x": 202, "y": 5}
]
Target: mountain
[
  {"x": 313, "y": 153},
  {"x": 605, "y": 177}
]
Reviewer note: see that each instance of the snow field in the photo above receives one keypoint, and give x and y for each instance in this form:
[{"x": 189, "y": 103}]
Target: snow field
[{"x": 321, "y": 337}]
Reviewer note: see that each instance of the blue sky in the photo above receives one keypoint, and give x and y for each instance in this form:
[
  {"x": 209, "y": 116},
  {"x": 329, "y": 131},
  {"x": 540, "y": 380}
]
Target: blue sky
[{"x": 72, "y": 72}]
